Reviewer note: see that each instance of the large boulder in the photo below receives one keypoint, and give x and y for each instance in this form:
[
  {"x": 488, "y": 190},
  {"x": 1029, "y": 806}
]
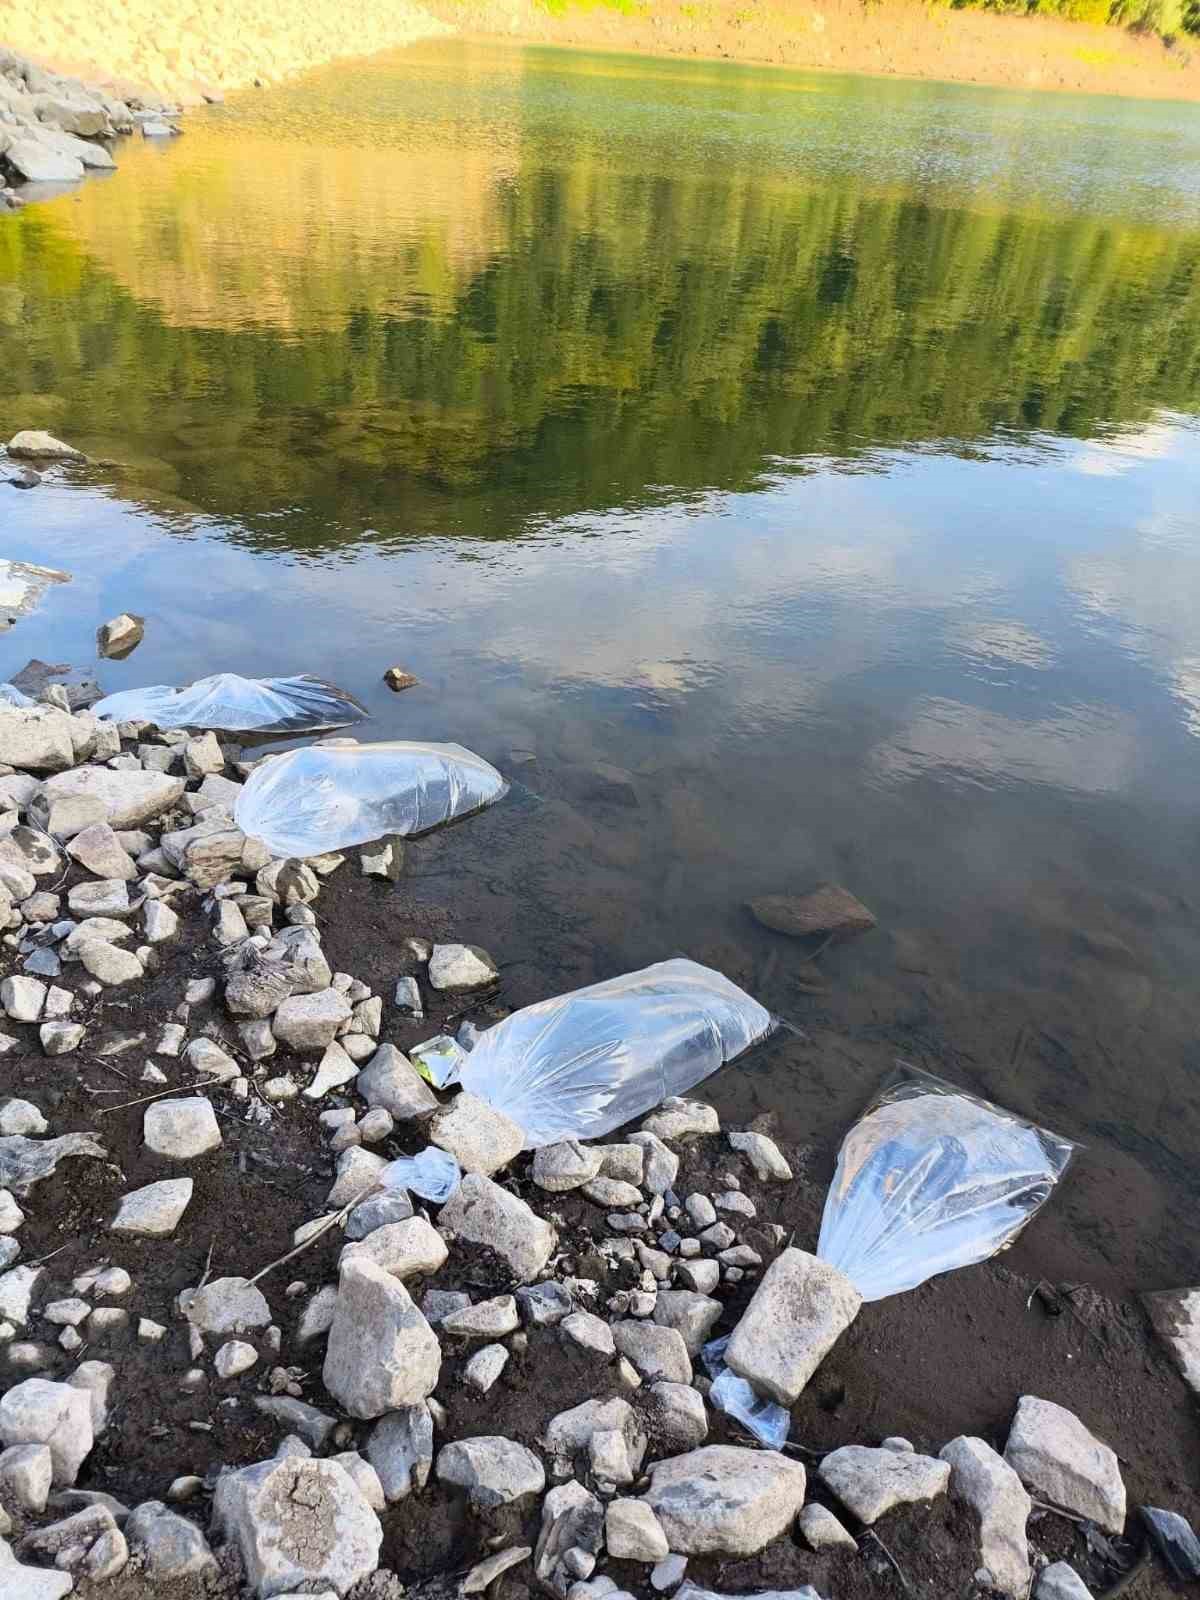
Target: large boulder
[
  {"x": 299, "y": 1525},
  {"x": 723, "y": 1499}
]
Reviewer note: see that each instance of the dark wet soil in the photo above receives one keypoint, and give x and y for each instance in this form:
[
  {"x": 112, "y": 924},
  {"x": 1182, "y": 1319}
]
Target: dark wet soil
[{"x": 951, "y": 1357}]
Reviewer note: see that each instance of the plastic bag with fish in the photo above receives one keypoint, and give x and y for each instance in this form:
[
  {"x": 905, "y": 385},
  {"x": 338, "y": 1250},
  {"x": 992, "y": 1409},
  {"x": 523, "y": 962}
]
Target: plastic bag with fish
[
  {"x": 328, "y": 797},
  {"x": 234, "y": 704},
  {"x": 930, "y": 1179},
  {"x": 580, "y": 1065}
]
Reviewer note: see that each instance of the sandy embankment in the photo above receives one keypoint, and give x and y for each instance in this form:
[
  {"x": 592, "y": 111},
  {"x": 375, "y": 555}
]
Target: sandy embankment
[{"x": 177, "y": 47}]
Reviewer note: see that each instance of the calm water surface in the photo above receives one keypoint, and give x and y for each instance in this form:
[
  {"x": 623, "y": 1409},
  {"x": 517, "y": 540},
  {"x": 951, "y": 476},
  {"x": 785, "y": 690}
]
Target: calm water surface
[{"x": 822, "y": 452}]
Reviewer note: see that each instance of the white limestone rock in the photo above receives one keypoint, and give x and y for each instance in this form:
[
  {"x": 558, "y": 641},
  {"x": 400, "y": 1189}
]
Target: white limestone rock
[
  {"x": 484, "y": 1213},
  {"x": 181, "y": 1129},
  {"x": 870, "y": 1483},
  {"x": 798, "y": 1312},
  {"x": 725, "y": 1499},
  {"x": 493, "y": 1471},
  {"x": 990, "y": 1486},
  {"x": 382, "y": 1354},
  {"x": 153, "y": 1212},
  {"x": 1061, "y": 1462},
  {"x": 480, "y": 1138}
]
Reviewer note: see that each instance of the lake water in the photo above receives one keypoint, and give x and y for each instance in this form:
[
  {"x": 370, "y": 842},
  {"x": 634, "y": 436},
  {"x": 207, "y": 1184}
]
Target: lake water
[{"x": 822, "y": 452}]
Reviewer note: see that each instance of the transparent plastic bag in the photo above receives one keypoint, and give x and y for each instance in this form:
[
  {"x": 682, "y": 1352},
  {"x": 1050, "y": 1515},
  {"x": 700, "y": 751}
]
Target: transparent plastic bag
[
  {"x": 327, "y": 797},
  {"x": 10, "y": 695},
  {"x": 431, "y": 1173},
  {"x": 302, "y": 704},
  {"x": 692, "y": 1591},
  {"x": 768, "y": 1422},
  {"x": 439, "y": 1061},
  {"x": 577, "y": 1066},
  {"x": 930, "y": 1179}
]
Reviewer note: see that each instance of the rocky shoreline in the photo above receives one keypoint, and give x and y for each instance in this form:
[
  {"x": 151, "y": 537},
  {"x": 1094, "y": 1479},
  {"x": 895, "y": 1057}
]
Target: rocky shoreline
[
  {"x": 56, "y": 130},
  {"x": 231, "y": 1364}
]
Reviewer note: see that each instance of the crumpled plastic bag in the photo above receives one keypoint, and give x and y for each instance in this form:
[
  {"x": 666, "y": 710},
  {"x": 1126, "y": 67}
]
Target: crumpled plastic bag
[
  {"x": 328, "y": 797},
  {"x": 691, "y": 1591},
  {"x": 431, "y": 1173},
  {"x": 10, "y": 695},
  {"x": 24, "y": 1162},
  {"x": 302, "y": 704},
  {"x": 769, "y": 1422},
  {"x": 930, "y": 1179},
  {"x": 580, "y": 1065}
]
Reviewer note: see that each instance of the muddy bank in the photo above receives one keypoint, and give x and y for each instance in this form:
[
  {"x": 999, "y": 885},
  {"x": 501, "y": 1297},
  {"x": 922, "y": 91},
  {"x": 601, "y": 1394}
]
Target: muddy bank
[{"x": 900, "y": 39}]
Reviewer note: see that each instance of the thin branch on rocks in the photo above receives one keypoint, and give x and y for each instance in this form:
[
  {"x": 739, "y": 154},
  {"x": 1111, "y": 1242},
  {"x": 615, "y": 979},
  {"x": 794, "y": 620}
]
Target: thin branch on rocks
[
  {"x": 180, "y": 1088},
  {"x": 317, "y": 1233}
]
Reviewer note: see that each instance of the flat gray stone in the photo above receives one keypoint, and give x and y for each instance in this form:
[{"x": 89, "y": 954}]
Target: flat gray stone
[
  {"x": 570, "y": 1540},
  {"x": 656, "y": 1352},
  {"x": 308, "y": 1023},
  {"x": 566, "y": 1165},
  {"x": 660, "y": 1166},
  {"x": 298, "y": 1524},
  {"x": 168, "y": 1545},
  {"x": 589, "y": 1333},
  {"x": 693, "y": 1316},
  {"x": 493, "y": 1471},
  {"x": 1059, "y": 1581},
  {"x": 128, "y": 798},
  {"x": 454, "y": 968},
  {"x": 298, "y": 1417},
  {"x": 723, "y": 1499},
  {"x": 483, "y": 1213},
  {"x": 484, "y": 1367},
  {"x": 98, "y": 849},
  {"x": 382, "y": 1354},
  {"x": 680, "y": 1417},
  {"x": 226, "y": 1305},
  {"x": 678, "y": 1119},
  {"x": 571, "y": 1432},
  {"x": 36, "y": 738},
  {"x": 484, "y": 1573},
  {"x": 798, "y": 1312},
  {"x": 870, "y": 1483},
  {"x": 389, "y": 1080},
  {"x": 764, "y": 1155},
  {"x": 987, "y": 1483},
  {"x": 403, "y": 1249},
  {"x": 1061, "y": 1462},
  {"x": 633, "y": 1533},
  {"x": 154, "y": 1211},
  {"x": 822, "y": 1531}
]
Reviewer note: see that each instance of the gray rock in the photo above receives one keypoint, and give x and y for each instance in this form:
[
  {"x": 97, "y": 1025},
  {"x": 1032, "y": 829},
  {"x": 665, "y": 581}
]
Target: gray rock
[
  {"x": 484, "y": 1573},
  {"x": 53, "y": 1414},
  {"x": 655, "y": 1351},
  {"x": 990, "y": 1486},
  {"x": 490, "y": 1319},
  {"x": 822, "y": 1530},
  {"x": 128, "y": 798},
  {"x": 206, "y": 1055},
  {"x": 16, "y": 1291},
  {"x": 484, "y": 1367},
  {"x": 483, "y": 1213},
  {"x": 725, "y": 1499},
  {"x": 700, "y": 1274},
  {"x": 357, "y": 1172},
  {"x": 828, "y": 909},
  {"x": 668, "y": 1574},
  {"x": 566, "y": 1165},
  {"x": 612, "y": 1193},
  {"x": 225, "y": 1306},
  {"x": 571, "y": 1432},
  {"x": 764, "y": 1156},
  {"x": 230, "y": 925},
  {"x": 288, "y": 883},
  {"x": 154, "y": 1211},
  {"x": 799, "y": 1311},
  {"x": 318, "y": 1315},
  {"x": 1060, "y": 1461},
  {"x": 401, "y": 1450},
  {"x": 313, "y": 1426},
  {"x": 1059, "y": 1581},
  {"x": 390, "y": 1080},
  {"x": 22, "y": 998},
  {"x": 1175, "y": 1314},
  {"x": 169, "y": 1546},
  {"x": 257, "y": 1040},
  {"x": 480, "y": 1138},
  {"x": 454, "y": 968},
  {"x": 681, "y": 1421},
  {"x": 60, "y": 1038},
  {"x": 365, "y": 1477},
  {"x": 382, "y": 1354},
  {"x": 24, "y": 1162},
  {"x": 544, "y": 1304},
  {"x": 678, "y": 1119},
  {"x": 633, "y": 1533},
  {"x": 181, "y": 1129},
  {"x": 308, "y": 1023},
  {"x": 572, "y": 1535},
  {"x": 334, "y": 1070},
  {"x": 98, "y": 849},
  {"x": 110, "y": 965},
  {"x": 403, "y": 1249},
  {"x": 88, "y": 1544},
  {"x": 26, "y": 1473},
  {"x": 407, "y": 998},
  {"x": 693, "y": 1316},
  {"x": 95, "y": 1379},
  {"x": 36, "y": 738},
  {"x": 203, "y": 755},
  {"x": 31, "y": 1583},
  {"x": 869, "y": 1483},
  {"x": 233, "y": 1358},
  {"x": 493, "y": 1471},
  {"x": 589, "y": 1333},
  {"x": 378, "y": 1213},
  {"x": 298, "y": 1524},
  {"x": 159, "y": 921}
]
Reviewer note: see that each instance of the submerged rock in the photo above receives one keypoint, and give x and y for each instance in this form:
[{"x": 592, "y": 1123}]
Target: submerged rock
[{"x": 828, "y": 909}]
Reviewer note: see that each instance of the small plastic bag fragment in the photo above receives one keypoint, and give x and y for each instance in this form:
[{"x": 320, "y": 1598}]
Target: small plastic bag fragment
[
  {"x": 692, "y": 1591},
  {"x": 1173, "y": 1538},
  {"x": 328, "y": 797},
  {"x": 767, "y": 1421},
  {"x": 302, "y": 704},
  {"x": 431, "y": 1173},
  {"x": 439, "y": 1061},
  {"x": 930, "y": 1179},
  {"x": 579, "y": 1065},
  {"x": 10, "y": 695}
]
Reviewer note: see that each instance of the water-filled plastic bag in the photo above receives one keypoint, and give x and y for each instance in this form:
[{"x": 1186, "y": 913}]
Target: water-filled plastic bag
[
  {"x": 10, "y": 695},
  {"x": 302, "y": 704},
  {"x": 930, "y": 1179},
  {"x": 580, "y": 1065},
  {"x": 327, "y": 797}
]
